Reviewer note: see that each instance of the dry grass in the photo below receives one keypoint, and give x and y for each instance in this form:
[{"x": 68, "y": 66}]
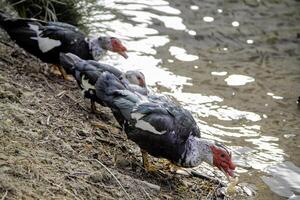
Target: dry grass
[{"x": 49, "y": 10}]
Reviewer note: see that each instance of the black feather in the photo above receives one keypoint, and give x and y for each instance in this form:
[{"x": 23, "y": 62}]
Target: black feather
[
  {"x": 174, "y": 123},
  {"x": 72, "y": 40}
]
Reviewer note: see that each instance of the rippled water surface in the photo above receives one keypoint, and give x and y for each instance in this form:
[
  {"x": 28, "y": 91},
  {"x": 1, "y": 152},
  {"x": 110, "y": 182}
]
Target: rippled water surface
[{"x": 234, "y": 64}]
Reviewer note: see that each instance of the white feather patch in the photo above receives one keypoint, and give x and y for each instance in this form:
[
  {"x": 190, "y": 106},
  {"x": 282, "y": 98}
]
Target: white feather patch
[
  {"x": 86, "y": 85},
  {"x": 146, "y": 126},
  {"x": 45, "y": 43},
  {"x": 137, "y": 116}
]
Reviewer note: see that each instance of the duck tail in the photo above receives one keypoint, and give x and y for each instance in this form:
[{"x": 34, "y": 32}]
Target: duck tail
[
  {"x": 68, "y": 61},
  {"x": 115, "y": 94}
]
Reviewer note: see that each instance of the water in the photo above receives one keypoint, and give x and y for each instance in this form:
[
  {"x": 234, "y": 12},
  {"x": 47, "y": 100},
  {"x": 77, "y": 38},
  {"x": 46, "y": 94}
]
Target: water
[{"x": 234, "y": 64}]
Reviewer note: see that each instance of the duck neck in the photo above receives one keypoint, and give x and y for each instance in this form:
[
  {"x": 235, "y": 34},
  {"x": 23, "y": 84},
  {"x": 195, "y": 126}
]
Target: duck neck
[
  {"x": 96, "y": 48},
  {"x": 197, "y": 151}
]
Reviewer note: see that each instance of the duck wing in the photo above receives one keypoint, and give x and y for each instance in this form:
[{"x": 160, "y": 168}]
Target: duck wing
[
  {"x": 24, "y": 32},
  {"x": 115, "y": 94},
  {"x": 165, "y": 117}
]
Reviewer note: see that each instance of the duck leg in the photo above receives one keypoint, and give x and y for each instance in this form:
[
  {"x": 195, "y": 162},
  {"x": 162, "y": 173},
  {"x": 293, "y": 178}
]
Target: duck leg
[
  {"x": 59, "y": 70},
  {"x": 172, "y": 167},
  {"x": 146, "y": 164},
  {"x": 167, "y": 165},
  {"x": 64, "y": 74},
  {"x": 55, "y": 70},
  {"x": 93, "y": 107},
  {"x": 95, "y": 111}
]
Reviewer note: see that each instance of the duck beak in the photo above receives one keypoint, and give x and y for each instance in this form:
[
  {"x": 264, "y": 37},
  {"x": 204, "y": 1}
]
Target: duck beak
[
  {"x": 228, "y": 173},
  {"x": 124, "y": 54}
]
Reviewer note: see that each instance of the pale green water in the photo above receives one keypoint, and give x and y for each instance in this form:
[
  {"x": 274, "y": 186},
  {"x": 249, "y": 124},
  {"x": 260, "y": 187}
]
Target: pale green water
[{"x": 234, "y": 64}]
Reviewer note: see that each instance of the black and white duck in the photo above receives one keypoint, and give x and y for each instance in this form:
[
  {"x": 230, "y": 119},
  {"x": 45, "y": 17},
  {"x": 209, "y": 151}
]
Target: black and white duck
[
  {"x": 46, "y": 40},
  {"x": 160, "y": 127},
  {"x": 87, "y": 72}
]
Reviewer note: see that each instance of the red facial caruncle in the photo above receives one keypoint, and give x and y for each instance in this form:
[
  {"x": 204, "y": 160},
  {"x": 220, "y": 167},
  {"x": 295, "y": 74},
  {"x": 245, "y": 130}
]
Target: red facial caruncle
[
  {"x": 222, "y": 159},
  {"x": 118, "y": 47},
  {"x": 141, "y": 79}
]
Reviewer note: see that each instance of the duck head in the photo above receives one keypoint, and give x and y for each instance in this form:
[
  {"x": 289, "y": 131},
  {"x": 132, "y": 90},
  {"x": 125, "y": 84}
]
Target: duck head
[
  {"x": 136, "y": 77},
  {"x": 222, "y": 159},
  {"x": 113, "y": 44},
  {"x": 214, "y": 153}
]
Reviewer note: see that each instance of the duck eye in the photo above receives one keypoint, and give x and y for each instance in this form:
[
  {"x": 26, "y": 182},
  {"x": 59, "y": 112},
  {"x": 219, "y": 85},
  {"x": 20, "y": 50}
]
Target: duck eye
[{"x": 222, "y": 155}]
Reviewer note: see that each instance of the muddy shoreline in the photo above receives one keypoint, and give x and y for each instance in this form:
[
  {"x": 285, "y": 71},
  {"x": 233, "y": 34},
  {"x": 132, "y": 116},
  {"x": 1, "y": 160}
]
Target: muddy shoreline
[{"x": 50, "y": 147}]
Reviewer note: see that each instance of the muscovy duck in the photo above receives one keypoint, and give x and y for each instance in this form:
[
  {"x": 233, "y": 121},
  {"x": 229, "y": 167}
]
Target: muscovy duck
[
  {"x": 86, "y": 73},
  {"x": 46, "y": 40},
  {"x": 160, "y": 127}
]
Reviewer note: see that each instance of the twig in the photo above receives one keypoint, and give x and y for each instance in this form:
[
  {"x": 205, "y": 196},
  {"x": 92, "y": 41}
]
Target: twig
[
  {"x": 60, "y": 187},
  {"x": 112, "y": 175},
  {"x": 76, "y": 174},
  {"x": 6, "y": 60},
  {"x": 197, "y": 174},
  {"x": 62, "y": 126},
  {"x": 19, "y": 85},
  {"x": 45, "y": 79},
  {"x": 4, "y": 196},
  {"x": 64, "y": 189},
  {"x": 97, "y": 193},
  {"x": 7, "y": 44},
  {"x": 76, "y": 102},
  {"x": 99, "y": 125},
  {"x": 146, "y": 193},
  {"x": 48, "y": 120},
  {"x": 106, "y": 141},
  {"x": 113, "y": 135},
  {"x": 110, "y": 134},
  {"x": 150, "y": 185},
  {"x": 61, "y": 94},
  {"x": 104, "y": 196}
]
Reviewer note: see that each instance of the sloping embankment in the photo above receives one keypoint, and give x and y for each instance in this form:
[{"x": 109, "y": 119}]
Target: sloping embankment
[{"x": 50, "y": 148}]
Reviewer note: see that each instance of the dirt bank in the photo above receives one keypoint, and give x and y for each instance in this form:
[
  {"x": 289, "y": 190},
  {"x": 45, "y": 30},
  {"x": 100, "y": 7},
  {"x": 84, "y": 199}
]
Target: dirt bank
[{"x": 50, "y": 148}]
